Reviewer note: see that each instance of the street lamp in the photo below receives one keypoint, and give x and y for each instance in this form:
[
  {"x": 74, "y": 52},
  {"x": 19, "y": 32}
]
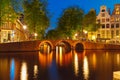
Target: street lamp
[
  {"x": 85, "y": 32},
  {"x": 75, "y": 36},
  {"x": 35, "y": 34},
  {"x": 25, "y": 31},
  {"x": 24, "y": 27}
]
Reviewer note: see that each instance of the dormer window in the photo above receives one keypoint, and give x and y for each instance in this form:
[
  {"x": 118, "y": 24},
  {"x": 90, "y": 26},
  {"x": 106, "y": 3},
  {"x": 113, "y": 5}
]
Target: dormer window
[{"x": 103, "y": 10}]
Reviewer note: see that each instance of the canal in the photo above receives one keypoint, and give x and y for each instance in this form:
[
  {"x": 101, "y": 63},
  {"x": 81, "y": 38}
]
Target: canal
[{"x": 59, "y": 65}]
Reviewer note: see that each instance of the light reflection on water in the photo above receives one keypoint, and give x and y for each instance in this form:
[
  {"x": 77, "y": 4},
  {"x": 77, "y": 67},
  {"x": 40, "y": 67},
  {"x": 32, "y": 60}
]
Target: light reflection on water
[
  {"x": 87, "y": 65},
  {"x": 24, "y": 74},
  {"x": 12, "y": 70},
  {"x": 76, "y": 64},
  {"x": 45, "y": 59},
  {"x": 85, "y": 68},
  {"x": 35, "y": 71}
]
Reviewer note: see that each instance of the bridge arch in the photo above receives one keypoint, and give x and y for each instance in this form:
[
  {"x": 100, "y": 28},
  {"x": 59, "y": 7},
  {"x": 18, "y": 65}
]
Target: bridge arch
[
  {"x": 65, "y": 44},
  {"x": 78, "y": 46},
  {"x": 46, "y": 46}
]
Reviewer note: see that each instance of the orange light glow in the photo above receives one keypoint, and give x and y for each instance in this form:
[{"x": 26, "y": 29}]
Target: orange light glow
[{"x": 45, "y": 59}]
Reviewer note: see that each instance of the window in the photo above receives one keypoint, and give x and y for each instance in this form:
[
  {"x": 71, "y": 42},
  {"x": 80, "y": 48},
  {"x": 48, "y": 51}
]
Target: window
[
  {"x": 103, "y": 34},
  {"x": 107, "y": 19},
  {"x": 112, "y": 34},
  {"x": 103, "y": 10},
  {"x": 117, "y": 19},
  {"x": 103, "y": 20},
  {"x": 117, "y": 11},
  {"x": 107, "y": 33},
  {"x": 112, "y": 19},
  {"x": 98, "y": 20},
  {"x": 103, "y": 25},
  {"x": 117, "y": 25},
  {"x": 103, "y": 14},
  {"x": 112, "y": 25},
  {"x": 117, "y": 32},
  {"x": 107, "y": 25}
]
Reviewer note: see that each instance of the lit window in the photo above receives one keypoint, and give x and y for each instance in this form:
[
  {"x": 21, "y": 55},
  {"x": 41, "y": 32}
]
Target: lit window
[
  {"x": 117, "y": 32},
  {"x": 117, "y": 9},
  {"x": 112, "y": 34},
  {"x": 117, "y": 19},
  {"x": 103, "y": 20},
  {"x": 112, "y": 19},
  {"x": 117, "y": 25}
]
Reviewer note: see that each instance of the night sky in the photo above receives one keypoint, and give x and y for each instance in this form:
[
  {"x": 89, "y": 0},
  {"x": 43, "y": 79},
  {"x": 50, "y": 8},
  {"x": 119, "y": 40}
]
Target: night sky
[{"x": 55, "y": 7}]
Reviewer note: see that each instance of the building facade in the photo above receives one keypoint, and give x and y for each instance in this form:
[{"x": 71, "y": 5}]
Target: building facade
[
  {"x": 115, "y": 24},
  {"x": 109, "y": 30},
  {"x": 104, "y": 32},
  {"x": 12, "y": 32}
]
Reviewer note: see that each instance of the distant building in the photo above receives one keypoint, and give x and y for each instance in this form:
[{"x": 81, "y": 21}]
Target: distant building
[
  {"x": 115, "y": 24},
  {"x": 104, "y": 32}
]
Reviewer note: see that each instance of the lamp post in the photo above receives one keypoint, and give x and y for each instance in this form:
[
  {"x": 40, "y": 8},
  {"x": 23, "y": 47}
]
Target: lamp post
[
  {"x": 24, "y": 27},
  {"x": 75, "y": 36},
  {"x": 25, "y": 33},
  {"x": 35, "y": 35}
]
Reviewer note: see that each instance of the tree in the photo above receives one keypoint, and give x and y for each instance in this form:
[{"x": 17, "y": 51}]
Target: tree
[
  {"x": 7, "y": 12},
  {"x": 70, "y": 20},
  {"x": 36, "y": 17},
  {"x": 89, "y": 21}
]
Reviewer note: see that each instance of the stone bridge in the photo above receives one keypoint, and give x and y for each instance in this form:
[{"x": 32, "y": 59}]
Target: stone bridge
[
  {"x": 67, "y": 44},
  {"x": 56, "y": 45}
]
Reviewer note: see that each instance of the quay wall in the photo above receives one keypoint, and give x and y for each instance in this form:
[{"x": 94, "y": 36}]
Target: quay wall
[
  {"x": 100, "y": 46},
  {"x": 34, "y": 46},
  {"x": 20, "y": 46}
]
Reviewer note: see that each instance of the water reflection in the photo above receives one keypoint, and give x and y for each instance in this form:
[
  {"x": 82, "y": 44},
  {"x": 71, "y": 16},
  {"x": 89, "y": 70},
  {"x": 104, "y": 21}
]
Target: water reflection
[
  {"x": 45, "y": 59},
  {"x": 24, "y": 74},
  {"x": 60, "y": 49},
  {"x": 35, "y": 71},
  {"x": 87, "y": 65},
  {"x": 4, "y": 69},
  {"x": 118, "y": 59},
  {"x": 12, "y": 70},
  {"x": 45, "y": 48},
  {"x": 62, "y": 58},
  {"x": 85, "y": 68},
  {"x": 94, "y": 60},
  {"x": 76, "y": 64}
]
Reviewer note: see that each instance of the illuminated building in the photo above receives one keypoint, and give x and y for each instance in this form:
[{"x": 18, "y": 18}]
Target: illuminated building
[
  {"x": 115, "y": 24},
  {"x": 12, "y": 32},
  {"x": 109, "y": 30},
  {"x": 104, "y": 32}
]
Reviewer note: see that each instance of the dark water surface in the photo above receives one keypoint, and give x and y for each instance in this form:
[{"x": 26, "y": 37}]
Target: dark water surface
[{"x": 86, "y": 65}]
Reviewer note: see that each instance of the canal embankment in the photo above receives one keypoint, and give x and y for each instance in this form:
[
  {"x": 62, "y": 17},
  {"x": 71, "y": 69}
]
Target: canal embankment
[{"x": 100, "y": 46}]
